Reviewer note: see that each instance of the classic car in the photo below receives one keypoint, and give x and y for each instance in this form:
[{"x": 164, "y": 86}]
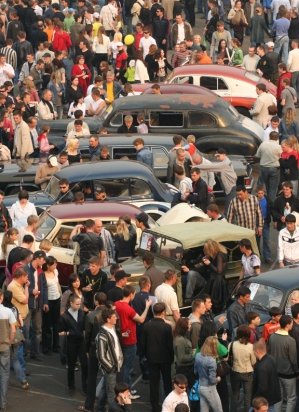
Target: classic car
[
  {"x": 214, "y": 122},
  {"x": 183, "y": 242},
  {"x": 57, "y": 222},
  {"x": 237, "y": 86},
  {"x": 124, "y": 180},
  {"x": 273, "y": 288}
]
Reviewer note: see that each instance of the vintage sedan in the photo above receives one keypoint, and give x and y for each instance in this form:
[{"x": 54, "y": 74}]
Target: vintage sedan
[
  {"x": 237, "y": 86},
  {"x": 123, "y": 180},
  {"x": 181, "y": 243},
  {"x": 214, "y": 122}
]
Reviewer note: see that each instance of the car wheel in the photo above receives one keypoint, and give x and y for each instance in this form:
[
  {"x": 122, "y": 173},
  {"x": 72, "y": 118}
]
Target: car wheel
[{"x": 244, "y": 111}]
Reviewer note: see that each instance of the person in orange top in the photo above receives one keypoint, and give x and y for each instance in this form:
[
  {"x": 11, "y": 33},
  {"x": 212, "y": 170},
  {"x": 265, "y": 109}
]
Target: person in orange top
[
  {"x": 202, "y": 56},
  {"x": 49, "y": 29},
  {"x": 273, "y": 325}
]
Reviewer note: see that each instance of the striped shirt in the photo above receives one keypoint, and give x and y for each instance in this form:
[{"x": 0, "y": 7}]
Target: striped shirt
[
  {"x": 11, "y": 56},
  {"x": 245, "y": 213}
]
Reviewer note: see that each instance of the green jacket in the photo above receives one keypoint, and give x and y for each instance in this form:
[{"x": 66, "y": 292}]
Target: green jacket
[{"x": 237, "y": 57}]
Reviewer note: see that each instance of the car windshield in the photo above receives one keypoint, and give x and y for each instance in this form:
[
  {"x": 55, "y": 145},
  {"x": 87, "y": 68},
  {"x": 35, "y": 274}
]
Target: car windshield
[
  {"x": 45, "y": 226},
  {"x": 264, "y": 295},
  {"x": 53, "y": 187},
  {"x": 252, "y": 76},
  {"x": 161, "y": 246}
]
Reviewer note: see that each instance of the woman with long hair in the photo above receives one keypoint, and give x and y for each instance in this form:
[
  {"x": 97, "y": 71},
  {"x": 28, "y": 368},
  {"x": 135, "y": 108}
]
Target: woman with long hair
[
  {"x": 77, "y": 104},
  {"x": 288, "y": 161},
  {"x": 184, "y": 360},
  {"x": 125, "y": 242},
  {"x": 49, "y": 29},
  {"x": 100, "y": 47},
  {"x": 237, "y": 55},
  {"x": 288, "y": 125},
  {"x": 73, "y": 153},
  {"x": 215, "y": 261},
  {"x": 238, "y": 21},
  {"x": 162, "y": 65},
  {"x": 50, "y": 338},
  {"x": 74, "y": 287},
  {"x": 242, "y": 369},
  {"x": 206, "y": 368},
  {"x": 117, "y": 38},
  {"x": 223, "y": 53},
  {"x": 9, "y": 241},
  {"x": 29, "y": 87},
  {"x": 81, "y": 70},
  {"x": 150, "y": 63},
  {"x": 57, "y": 89},
  {"x": 73, "y": 90}
]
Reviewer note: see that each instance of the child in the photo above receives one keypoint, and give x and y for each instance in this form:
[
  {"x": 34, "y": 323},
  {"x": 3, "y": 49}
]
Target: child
[
  {"x": 71, "y": 325},
  {"x": 142, "y": 126},
  {"x": 273, "y": 325},
  {"x": 179, "y": 393},
  {"x": 130, "y": 72},
  {"x": 185, "y": 186},
  {"x": 9, "y": 241},
  {"x": 45, "y": 245},
  {"x": 254, "y": 321},
  {"x": 251, "y": 263},
  {"x": 43, "y": 142}
]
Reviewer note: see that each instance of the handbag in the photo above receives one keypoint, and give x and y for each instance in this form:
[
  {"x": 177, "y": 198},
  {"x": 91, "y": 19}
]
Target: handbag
[
  {"x": 230, "y": 359},
  {"x": 194, "y": 392},
  {"x": 223, "y": 368}
]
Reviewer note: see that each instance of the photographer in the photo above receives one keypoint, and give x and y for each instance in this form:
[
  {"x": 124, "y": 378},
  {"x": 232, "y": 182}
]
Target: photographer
[
  {"x": 90, "y": 243},
  {"x": 122, "y": 398}
]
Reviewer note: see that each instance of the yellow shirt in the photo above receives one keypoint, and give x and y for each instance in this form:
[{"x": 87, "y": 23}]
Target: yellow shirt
[
  {"x": 110, "y": 95},
  {"x": 95, "y": 27}
]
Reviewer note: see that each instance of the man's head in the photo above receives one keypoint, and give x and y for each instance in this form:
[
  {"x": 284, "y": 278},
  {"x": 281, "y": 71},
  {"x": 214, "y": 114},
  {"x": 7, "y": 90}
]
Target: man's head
[
  {"x": 242, "y": 193},
  {"x": 144, "y": 283},
  {"x": 121, "y": 278},
  {"x": 220, "y": 26},
  {"x": 286, "y": 322},
  {"x": 195, "y": 174},
  {"x": 295, "y": 311},
  {"x": 128, "y": 120},
  {"x": 220, "y": 155},
  {"x": 62, "y": 158},
  {"x": 251, "y": 51},
  {"x": 128, "y": 292},
  {"x": 170, "y": 277},
  {"x": 213, "y": 211},
  {"x": 148, "y": 259},
  {"x": 290, "y": 221},
  {"x": 287, "y": 189},
  {"x": 39, "y": 258},
  {"x": 260, "y": 349},
  {"x": 94, "y": 142},
  {"x": 198, "y": 307},
  {"x": 180, "y": 383},
  {"x": 32, "y": 221},
  {"x": 47, "y": 95},
  {"x": 295, "y": 42},
  {"x": 142, "y": 220},
  {"x": 261, "y": 51},
  {"x": 179, "y": 171},
  {"x": 159, "y": 309},
  {"x": 21, "y": 276},
  {"x": 180, "y": 155},
  {"x": 243, "y": 295},
  {"x": 78, "y": 125},
  {"x": 64, "y": 185},
  {"x": 260, "y": 404},
  {"x": 109, "y": 316},
  {"x": 138, "y": 143},
  {"x": 245, "y": 245},
  {"x": 100, "y": 193},
  {"x": 94, "y": 265},
  {"x": 253, "y": 319}
]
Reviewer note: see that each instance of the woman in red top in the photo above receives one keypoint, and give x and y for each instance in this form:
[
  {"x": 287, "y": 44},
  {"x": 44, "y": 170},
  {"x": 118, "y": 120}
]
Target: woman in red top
[
  {"x": 61, "y": 39},
  {"x": 82, "y": 72},
  {"x": 121, "y": 62}
]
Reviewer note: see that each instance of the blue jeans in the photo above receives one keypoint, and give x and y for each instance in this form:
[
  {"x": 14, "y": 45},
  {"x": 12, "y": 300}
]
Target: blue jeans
[
  {"x": 16, "y": 364},
  {"x": 4, "y": 376},
  {"x": 282, "y": 43},
  {"x": 270, "y": 178},
  {"x": 107, "y": 394},
  {"x": 129, "y": 353},
  {"x": 266, "y": 241},
  {"x": 194, "y": 280},
  {"x": 209, "y": 399}
]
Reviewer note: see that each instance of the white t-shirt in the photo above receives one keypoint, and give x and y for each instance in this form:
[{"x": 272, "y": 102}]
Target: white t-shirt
[
  {"x": 181, "y": 33},
  {"x": 117, "y": 347},
  {"x": 165, "y": 293},
  {"x": 249, "y": 263},
  {"x": 94, "y": 104},
  {"x": 146, "y": 43},
  {"x": 172, "y": 400}
]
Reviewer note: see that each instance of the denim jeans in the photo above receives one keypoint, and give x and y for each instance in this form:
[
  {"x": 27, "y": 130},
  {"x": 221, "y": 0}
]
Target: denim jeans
[
  {"x": 4, "y": 376},
  {"x": 129, "y": 353},
  {"x": 228, "y": 198},
  {"x": 35, "y": 331},
  {"x": 266, "y": 242},
  {"x": 209, "y": 399},
  {"x": 17, "y": 367},
  {"x": 270, "y": 178},
  {"x": 282, "y": 44},
  {"x": 194, "y": 280},
  {"x": 237, "y": 381},
  {"x": 289, "y": 393}
]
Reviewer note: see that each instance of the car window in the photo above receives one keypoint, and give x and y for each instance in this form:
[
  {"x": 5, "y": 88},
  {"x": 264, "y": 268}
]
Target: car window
[
  {"x": 183, "y": 80},
  {"x": 120, "y": 152},
  {"x": 166, "y": 119},
  {"x": 140, "y": 188},
  {"x": 201, "y": 119},
  {"x": 53, "y": 187},
  {"x": 221, "y": 84},
  {"x": 209, "y": 82},
  {"x": 160, "y": 157},
  {"x": 114, "y": 187},
  {"x": 264, "y": 295},
  {"x": 63, "y": 236},
  {"x": 45, "y": 225},
  {"x": 117, "y": 120}
]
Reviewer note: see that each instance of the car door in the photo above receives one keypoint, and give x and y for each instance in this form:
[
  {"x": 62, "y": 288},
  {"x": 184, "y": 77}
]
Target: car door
[{"x": 217, "y": 84}]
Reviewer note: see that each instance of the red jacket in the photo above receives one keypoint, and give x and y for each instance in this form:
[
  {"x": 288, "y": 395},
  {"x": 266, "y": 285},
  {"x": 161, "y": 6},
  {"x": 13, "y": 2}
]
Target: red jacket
[{"x": 61, "y": 40}]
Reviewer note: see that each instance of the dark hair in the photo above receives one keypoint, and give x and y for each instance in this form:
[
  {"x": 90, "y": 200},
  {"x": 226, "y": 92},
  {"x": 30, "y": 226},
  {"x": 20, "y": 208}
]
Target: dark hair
[
  {"x": 295, "y": 310},
  {"x": 89, "y": 223},
  {"x": 251, "y": 316},
  {"x": 148, "y": 257},
  {"x": 159, "y": 308},
  {"x": 245, "y": 243},
  {"x": 177, "y": 139},
  {"x": 196, "y": 304},
  {"x": 143, "y": 281},
  {"x": 169, "y": 274},
  {"x": 243, "y": 291},
  {"x": 128, "y": 290},
  {"x": 50, "y": 260},
  {"x": 7, "y": 297},
  {"x": 287, "y": 184},
  {"x": 78, "y": 113},
  {"x": 290, "y": 218},
  {"x": 241, "y": 188},
  {"x": 121, "y": 387},
  {"x": 274, "y": 311},
  {"x": 261, "y": 86},
  {"x": 114, "y": 268},
  {"x": 63, "y": 181},
  {"x": 72, "y": 278},
  {"x": 28, "y": 239},
  {"x": 259, "y": 401},
  {"x": 179, "y": 170},
  {"x": 243, "y": 334},
  {"x": 181, "y": 407},
  {"x": 207, "y": 329},
  {"x": 23, "y": 194},
  {"x": 180, "y": 379},
  {"x": 181, "y": 327},
  {"x": 100, "y": 298},
  {"x": 285, "y": 320},
  {"x": 213, "y": 208},
  {"x": 107, "y": 313}
]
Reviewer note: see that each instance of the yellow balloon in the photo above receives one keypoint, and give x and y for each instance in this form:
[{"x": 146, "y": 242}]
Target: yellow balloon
[{"x": 129, "y": 39}]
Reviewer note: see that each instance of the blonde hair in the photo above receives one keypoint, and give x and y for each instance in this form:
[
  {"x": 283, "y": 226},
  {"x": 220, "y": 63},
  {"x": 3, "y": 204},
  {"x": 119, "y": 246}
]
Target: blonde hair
[
  {"x": 289, "y": 116},
  {"x": 72, "y": 144},
  {"x": 118, "y": 36},
  {"x": 293, "y": 142},
  {"x": 7, "y": 240},
  {"x": 209, "y": 348},
  {"x": 100, "y": 33},
  {"x": 29, "y": 84},
  {"x": 191, "y": 138},
  {"x": 45, "y": 245},
  {"x": 211, "y": 248},
  {"x": 122, "y": 229}
]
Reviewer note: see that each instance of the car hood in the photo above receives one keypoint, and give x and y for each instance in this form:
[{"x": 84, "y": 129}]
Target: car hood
[
  {"x": 181, "y": 213},
  {"x": 40, "y": 199}
]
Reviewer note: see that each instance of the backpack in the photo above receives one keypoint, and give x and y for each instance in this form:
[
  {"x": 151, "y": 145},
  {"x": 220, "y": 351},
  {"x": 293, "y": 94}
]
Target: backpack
[{"x": 145, "y": 15}]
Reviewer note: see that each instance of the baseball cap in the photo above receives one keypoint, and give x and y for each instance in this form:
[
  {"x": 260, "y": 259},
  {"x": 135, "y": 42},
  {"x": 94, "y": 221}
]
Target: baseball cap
[
  {"x": 121, "y": 274},
  {"x": 53, "y": 161},
  {"x": 270, "y": 44},
  {"x": 39, "y": 254},
  {"x": 96, "y": 15}
]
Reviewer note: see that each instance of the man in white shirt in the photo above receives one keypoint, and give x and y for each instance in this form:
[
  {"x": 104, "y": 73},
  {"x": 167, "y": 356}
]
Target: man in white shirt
[
  {"x": 166, "y": 294},
  {"x": 178, "y": 395},
  {"x": 288, "y": 243},
  {"x": 250, "y": 60},
  {"x": 6, "y": 70},
  {"x": 145, "y": 42},
  {"x": 274, "y": 127},
  {"x": 94, "y": 104},
  {"x": 293, "y": 63}
]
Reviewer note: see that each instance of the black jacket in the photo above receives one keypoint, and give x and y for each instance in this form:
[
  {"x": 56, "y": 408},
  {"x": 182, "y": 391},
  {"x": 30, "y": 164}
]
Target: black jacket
[
  {"x": 264, "y": 66},
  {"x": 265, "y": 380},
  {"x": 75, "y": 328},
  {"x": 295, "y": 334},
  {"x": 294, "y": 28},
  {"x": 5, "y": 219},
  {"x": 278, "y": 208},
  {"x": 42, "y": 299},
  {"x": 157, "y": 341},
  {"x": 199, "y": 197},
  {"x": 160, "y": 29},
  {"x": 288, "y": 169},
  {"x": 236, "y": 316},
  {"x": 93, "y": 321}
]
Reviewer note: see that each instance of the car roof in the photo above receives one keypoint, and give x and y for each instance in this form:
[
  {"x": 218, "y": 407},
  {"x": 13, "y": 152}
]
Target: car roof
[
  {"x": 182, "y": 88},
  {"x": 168, "y": 101},
  {"x": 111, "y": 168},
  {"x": 284, "y": 278},
  {"x": 216, "y": 69},
  {"x": 122, "y": 138},
  {"x": 91, "y": 210},
  {"x": 193, "y": 234}
]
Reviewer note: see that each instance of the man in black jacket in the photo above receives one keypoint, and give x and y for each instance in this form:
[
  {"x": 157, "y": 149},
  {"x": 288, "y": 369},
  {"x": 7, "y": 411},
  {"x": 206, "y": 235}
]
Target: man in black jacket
[
  {"x": 157, "y": 344},
  {"x": 199, "y": 196},
  {"x": 284, "y": 204},
  {"x": 236, "y": 314},
  {"x": 265, "y": 378},
  {"x": 160, "y": 29}
]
